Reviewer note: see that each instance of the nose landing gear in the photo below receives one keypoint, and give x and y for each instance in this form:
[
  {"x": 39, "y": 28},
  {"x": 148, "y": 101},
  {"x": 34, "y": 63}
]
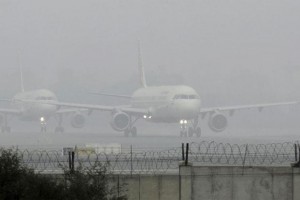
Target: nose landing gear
[
  {"x": 190, "y": 131},
  {"x": 5, "y": 128},
  {"x": 43, "y": 125},
  {"x": 183, "y": 128}
]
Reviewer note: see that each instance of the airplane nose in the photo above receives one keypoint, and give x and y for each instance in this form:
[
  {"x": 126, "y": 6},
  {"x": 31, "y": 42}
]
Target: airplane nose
[
  {"x": 49, "y": 109},
  {"x": 189, "y": 109}
]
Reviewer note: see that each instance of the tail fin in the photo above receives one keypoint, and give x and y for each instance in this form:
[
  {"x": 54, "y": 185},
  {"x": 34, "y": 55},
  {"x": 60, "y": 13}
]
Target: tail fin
[
  {"x": 141, "y": 68},
  {"x": 21, "y": 75}
]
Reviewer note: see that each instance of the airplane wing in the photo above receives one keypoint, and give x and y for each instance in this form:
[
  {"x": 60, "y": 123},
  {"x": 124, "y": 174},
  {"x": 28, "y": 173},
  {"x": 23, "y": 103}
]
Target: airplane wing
[
  {"x": 231, "y": 109},
  {"x": 89, "y": 107},
  {"x": 10, "y": 111},
  {"x": 70, "y": 111},
  {"x": 126, "y": 109}
]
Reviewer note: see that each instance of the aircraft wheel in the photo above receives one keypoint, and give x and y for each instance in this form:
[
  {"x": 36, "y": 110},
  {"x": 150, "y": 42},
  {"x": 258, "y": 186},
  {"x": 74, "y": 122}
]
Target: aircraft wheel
[
  {"x": 134, "y": 132},
  {"x": 183, "y": 133},
  {"x": 198, "y": 131},
  {"x": 191, "y": 132},
  {"x": 59, "y": 129},
  {"x": 5, "y": 129},
  {"x": 126, "y": 133},
  {"x": 43, "y": 129}
]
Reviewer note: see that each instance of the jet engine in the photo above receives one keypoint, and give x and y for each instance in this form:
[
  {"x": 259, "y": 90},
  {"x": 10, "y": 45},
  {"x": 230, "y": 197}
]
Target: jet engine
[
  {"x": 78, "y": 120},
  {"x": 120, "y": 121},
  {"x": 217, "y": 122}
]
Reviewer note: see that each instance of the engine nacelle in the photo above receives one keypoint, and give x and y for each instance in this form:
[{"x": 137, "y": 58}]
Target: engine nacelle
[
  {"x": 78, "y": 120},
  {"x": 217, "y": 122},
  {"x": 120, "y": 121}
]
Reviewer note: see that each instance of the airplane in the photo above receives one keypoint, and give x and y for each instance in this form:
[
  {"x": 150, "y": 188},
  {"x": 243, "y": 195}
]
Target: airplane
[
  {"x": 164, "y": 104},
  {"x": 27, "y": 111}
]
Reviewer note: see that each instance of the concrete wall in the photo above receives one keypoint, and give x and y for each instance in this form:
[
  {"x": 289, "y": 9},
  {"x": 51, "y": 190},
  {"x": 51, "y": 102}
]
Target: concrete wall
[
  {"x": 249, "y": 183},
  {"x": 149, "y": 187},
  {"x": 241, "y": 183}
]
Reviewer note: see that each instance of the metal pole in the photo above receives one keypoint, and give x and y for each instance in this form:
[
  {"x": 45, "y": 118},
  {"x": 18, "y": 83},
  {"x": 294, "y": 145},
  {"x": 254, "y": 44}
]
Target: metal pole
[
  {"x": 187, "y": 154},
  {"x": 296, "y": 152},
  {"x": 73, "y": 160},
  {"x": 118, "y": 186},
  {"x": 182, "y": 150},
  {"x": 244, "y": 161},
  {"x": 131, "y": 160},
  {"x": 70, "y": 167}
]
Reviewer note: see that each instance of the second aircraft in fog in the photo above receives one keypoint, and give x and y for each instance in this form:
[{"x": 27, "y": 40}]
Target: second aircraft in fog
[{"x": 30, "y": 111}]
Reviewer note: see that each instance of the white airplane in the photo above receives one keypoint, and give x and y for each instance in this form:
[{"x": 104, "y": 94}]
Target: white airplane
[
  {"x": 164, "y": 104},
  {"x": 28, "y": 111}
]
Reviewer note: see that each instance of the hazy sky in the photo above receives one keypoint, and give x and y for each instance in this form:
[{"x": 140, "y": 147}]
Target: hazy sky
[{"x": 231, "y": 52}]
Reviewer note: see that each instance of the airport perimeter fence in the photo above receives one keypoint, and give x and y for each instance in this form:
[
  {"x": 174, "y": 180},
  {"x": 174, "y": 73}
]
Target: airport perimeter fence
[{"x": 136, "y": 161}]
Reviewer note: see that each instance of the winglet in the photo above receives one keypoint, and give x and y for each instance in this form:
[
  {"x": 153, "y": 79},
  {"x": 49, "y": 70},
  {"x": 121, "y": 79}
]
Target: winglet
[{"x": 141, "y": 68}]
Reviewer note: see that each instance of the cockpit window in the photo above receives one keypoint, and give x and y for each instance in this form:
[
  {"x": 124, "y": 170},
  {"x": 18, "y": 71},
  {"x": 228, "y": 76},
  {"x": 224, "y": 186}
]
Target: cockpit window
[
  {"x": 193, "y": 97},
  {"x": 184, "y": 96}
]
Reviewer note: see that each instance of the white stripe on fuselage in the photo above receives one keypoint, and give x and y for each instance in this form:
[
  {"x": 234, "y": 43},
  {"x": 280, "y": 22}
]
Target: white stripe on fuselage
[
  {"x": 168, "y": 103},
  {"x": 34, "y": 111}
]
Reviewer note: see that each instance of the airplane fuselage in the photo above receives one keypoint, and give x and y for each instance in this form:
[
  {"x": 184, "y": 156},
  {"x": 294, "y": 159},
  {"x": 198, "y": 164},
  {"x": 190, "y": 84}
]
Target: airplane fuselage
[
  {"x": 168, "y": 104},
  {"x": 35, "y": 111}
]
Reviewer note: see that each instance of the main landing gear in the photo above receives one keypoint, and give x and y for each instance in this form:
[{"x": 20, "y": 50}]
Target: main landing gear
[
  {"x": 5, "y": 128},
  {"x": 190, "y": 130},
  {"x": 131, "y": 129},
  {"x": 194, "y": 131},
  {"x": 59, "y": 128}
]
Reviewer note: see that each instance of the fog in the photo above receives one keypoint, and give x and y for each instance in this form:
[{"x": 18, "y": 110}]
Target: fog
[{"x": 232, "y": 52}]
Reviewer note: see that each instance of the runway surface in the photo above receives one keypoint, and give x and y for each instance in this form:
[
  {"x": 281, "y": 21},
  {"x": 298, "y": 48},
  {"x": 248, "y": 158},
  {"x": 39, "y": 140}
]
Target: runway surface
[{"x": 50, "y": 140}]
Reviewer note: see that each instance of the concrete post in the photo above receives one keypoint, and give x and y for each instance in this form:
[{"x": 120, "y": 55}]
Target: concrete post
[
  {"x": 296, "y": 183},
  {"x": 185, "y": 181}
]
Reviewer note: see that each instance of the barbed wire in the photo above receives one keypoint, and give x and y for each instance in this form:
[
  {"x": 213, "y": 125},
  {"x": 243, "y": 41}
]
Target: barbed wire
[
  {"x": 245, "y": 155},
  {"x": 128, "y": 161}
]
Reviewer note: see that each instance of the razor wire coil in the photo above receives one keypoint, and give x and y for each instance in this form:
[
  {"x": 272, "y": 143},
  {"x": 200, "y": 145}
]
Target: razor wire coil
[{"x": 164, "y": 161}]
